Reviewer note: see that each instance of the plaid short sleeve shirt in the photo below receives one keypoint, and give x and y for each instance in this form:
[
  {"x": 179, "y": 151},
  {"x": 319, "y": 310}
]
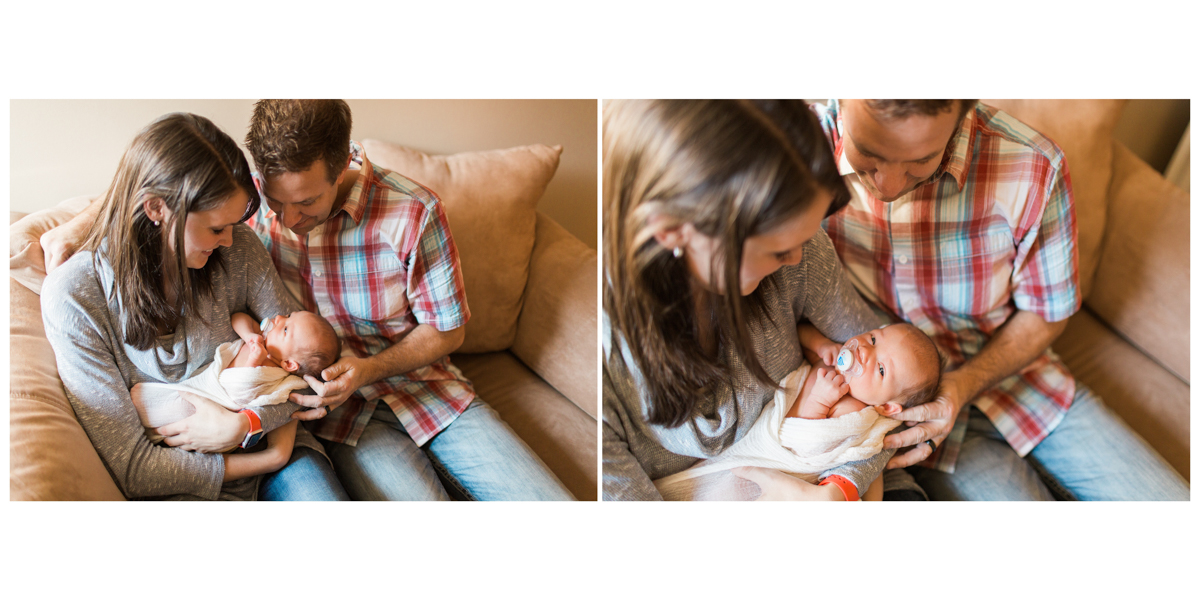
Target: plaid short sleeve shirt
[
  {"x": 991, "y": 232},
  {"x": 382, "y": 264}
]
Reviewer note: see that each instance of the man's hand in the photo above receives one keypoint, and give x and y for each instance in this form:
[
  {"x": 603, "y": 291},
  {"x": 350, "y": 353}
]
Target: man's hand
[
  {"x": 776, "y": 485},
  {"x": 930, "y": 421},
  {"x": 211, "y": 429},
  {"x": 342, "y": 379}
]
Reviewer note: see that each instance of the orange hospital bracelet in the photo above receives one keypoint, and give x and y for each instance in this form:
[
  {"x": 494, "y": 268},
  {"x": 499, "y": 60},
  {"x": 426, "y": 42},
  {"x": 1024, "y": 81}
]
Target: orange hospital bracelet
[{"x": 843, "y": 484}]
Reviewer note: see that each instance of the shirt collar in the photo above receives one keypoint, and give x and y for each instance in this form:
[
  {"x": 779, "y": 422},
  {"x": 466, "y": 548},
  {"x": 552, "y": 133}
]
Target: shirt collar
[{"x": 356, "y": 201}]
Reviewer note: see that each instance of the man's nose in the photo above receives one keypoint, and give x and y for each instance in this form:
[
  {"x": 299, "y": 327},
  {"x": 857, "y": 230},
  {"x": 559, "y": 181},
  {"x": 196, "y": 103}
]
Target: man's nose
[
  {"x": 291, "y": 216},
  {"x": 890, "y": 179}
]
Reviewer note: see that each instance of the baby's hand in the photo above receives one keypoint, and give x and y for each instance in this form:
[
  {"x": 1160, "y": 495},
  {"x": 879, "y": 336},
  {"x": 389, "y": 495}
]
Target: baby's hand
[
  {"x": 828, "y": 352},
  {"x": 830, "y": 386},
  {"x": 256, "y": 351}
]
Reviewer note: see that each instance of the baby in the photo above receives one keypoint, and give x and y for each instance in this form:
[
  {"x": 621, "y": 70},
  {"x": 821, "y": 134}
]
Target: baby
[
  {"x": 302, "y": 343},
  {"x": 891, "y": 368},
  {"x": 817, "y": 420},
  {"x": 261, "y": 368}
]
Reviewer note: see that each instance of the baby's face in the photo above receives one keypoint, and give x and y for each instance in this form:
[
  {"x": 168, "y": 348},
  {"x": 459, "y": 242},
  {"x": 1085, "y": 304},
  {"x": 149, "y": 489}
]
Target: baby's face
[
  {"x": 889, "y": 365},
  {"x": 292, "y": 337}
]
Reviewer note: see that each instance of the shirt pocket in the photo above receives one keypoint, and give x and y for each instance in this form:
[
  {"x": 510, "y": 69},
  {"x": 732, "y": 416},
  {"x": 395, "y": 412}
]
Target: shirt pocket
[
  {"x": 375, "y": 288},
  {"x": 974, "y": 275}
]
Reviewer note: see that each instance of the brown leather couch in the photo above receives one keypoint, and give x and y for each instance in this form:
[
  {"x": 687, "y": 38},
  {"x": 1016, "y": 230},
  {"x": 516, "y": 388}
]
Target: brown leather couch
[
  {"x": 530, "y": 347},
  {"x": 1130, "y": 341}
]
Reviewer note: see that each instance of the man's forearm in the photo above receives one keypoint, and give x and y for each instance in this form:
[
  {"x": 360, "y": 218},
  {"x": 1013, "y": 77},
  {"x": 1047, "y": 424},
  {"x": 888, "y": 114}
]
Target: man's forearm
[
  {"x": 1021, "y": 339},
  {"x": 419, "y": 348}
]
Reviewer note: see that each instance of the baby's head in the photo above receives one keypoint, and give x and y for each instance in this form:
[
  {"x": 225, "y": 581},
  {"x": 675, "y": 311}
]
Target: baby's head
[
  {"x": 303, "y": 343},
  {"x": 901, "y": 368}
]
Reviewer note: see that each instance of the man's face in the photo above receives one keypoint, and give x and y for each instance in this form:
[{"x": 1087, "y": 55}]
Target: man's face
[
  {"x": 303, "y": 199},
  {"x": 893, "y": 156}
]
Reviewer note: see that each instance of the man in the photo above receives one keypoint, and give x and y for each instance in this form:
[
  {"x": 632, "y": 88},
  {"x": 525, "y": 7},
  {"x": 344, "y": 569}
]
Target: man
[
  {"x": 371, "y": 251},
  {"x": 962, "y": 222}
]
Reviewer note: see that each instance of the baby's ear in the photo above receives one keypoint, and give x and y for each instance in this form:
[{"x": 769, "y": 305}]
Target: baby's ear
[
  {"x": 290, "y": 365},
  {"x": 888, "y": 409}
]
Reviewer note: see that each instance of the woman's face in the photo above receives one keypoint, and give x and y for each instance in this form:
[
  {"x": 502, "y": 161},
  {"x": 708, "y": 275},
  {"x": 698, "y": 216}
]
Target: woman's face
[
  {"x": 762, "y": 254},
  {"x": 205, "y": 230}
]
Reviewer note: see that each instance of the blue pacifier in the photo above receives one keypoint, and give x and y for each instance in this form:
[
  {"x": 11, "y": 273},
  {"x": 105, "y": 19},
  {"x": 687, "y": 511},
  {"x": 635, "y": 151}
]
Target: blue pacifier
[
  {"x": 265, "y": 326},
  {"x": 846, "y": 364}
]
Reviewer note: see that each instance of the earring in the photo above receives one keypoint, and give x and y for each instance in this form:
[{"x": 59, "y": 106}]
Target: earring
[
  {"x": 156, "y": 223},
  {"x": 677, "y": 252}
]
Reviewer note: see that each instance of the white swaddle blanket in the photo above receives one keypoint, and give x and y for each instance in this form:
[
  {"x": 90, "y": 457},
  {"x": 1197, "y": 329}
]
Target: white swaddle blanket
[
  {"x": 159, "y": 404},
  {"x": 802, "y": 447}
]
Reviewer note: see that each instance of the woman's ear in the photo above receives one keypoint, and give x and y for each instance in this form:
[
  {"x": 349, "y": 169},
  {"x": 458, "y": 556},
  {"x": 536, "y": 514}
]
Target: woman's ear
[
  {"x": 156, "y": 209},
  {"x": 668, "y": 235}
]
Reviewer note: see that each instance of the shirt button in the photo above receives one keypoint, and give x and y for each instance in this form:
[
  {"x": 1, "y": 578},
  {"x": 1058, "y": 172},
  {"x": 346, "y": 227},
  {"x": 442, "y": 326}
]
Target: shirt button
[
  {"x": 317, "y": 273},
  {"x": 903, "y": 260}
]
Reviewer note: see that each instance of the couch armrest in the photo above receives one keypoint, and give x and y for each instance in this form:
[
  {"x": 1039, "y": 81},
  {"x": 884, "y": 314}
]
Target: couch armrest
[
  {"x": 556, "y": 330},
  {"x": 1142, "y": 281}
]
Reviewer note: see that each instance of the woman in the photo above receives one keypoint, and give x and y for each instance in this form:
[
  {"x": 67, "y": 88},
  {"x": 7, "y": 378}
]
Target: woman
[
  {"x": 713, "y": 254},
  {"x": 149, "y": 299}
]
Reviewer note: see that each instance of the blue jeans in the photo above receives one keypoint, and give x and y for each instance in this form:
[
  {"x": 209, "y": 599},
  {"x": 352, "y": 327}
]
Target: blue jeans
[
  {"x": 1091, "y": 455},
  {"x": 478, "y": 457},
  {"x": 308, "y": 476}
]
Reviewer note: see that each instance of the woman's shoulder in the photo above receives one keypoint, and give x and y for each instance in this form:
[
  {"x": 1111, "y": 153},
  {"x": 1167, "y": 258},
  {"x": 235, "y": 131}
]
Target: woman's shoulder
[{"x": 78, "y": 277}]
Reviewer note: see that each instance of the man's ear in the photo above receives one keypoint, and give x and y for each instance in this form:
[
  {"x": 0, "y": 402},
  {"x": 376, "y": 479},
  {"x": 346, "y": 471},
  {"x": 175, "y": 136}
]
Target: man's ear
[
  {"x": 346, "y": 169},
  {"x": 290, "y": 365},
  {"x": 889, "y": 409}
]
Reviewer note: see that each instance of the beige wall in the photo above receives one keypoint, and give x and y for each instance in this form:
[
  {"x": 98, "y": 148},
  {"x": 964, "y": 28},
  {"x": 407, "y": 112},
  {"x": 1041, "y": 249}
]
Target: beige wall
[{"x": 66, "y": 148}]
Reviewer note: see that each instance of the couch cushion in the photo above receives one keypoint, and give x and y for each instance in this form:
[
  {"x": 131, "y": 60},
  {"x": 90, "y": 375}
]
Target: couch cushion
[
  {"x": 26, "y": 264},
  {"x": 1148, "y": 397},
  {"x": 556, "y": 334},
  {"x": 490, "y": 200},
  {"x": 50, "y": 456},
  {"x": 561, "y": 434},
  {"x": 1083, "y": 129},
  {"x": 1143, "y": 282}
]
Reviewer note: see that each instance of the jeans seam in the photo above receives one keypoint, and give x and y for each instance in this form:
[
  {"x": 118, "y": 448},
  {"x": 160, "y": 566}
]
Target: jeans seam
[{"x": 445, "y": 475}]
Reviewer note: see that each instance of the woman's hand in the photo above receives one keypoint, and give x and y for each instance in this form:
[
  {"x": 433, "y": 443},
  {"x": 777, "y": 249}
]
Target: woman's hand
[
  {"x": 342, "y": 379},
  {"x": 776, "y": 485},
  {"x": 211, "y": 429},
  {"x": 930, "y": 421}
]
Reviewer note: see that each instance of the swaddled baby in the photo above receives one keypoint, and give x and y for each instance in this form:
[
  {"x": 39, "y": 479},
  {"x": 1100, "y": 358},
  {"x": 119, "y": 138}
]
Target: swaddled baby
[
  {"x": 822, "y": 418},
  {"x": 891, "y": 368},
  {"x": 263, "y": 367}
]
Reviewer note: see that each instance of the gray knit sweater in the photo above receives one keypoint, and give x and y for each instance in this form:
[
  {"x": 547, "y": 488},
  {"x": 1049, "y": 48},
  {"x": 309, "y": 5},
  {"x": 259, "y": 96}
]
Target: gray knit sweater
[
  {"x": 636, "y": 452},
  {"x": 98, "y": 369}
]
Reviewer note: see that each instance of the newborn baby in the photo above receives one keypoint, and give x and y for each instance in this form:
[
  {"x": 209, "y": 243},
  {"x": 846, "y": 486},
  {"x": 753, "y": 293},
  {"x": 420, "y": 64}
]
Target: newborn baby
[
  {"x": 302, "y": 343},
  {"x": 263, "y": 367},
  {"x": 820, "y": 418},
  {"x": 891, "y": 368}
]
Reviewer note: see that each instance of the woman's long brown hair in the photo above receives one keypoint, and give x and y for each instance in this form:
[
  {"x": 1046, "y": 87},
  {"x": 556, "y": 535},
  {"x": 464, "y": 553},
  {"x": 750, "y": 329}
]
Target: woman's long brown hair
[
  {"x": 733, "y": 169},
  {"x": 191, "y": 165}
]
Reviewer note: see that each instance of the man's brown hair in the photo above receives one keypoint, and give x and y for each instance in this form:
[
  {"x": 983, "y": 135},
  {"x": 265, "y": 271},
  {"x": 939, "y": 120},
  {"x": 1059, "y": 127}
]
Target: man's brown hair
[
  {"x": 288, "y": 136},
  {"x": 900, "y": 109}
]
